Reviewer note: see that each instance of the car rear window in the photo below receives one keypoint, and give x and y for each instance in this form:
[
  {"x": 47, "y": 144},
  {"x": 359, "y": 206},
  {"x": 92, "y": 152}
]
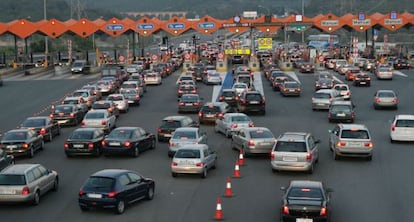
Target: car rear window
[
  {"x": 355, "y": 134},
  {"x": 185, "y": 153},
  {"x": 184, "y": 135},
  {"x": 341, "y": 88},
  {"x": 257, "y": 134},
  {"x": 10, "y": 179},
  {"x": 120, "y": 134},
  {"x": 322, "y": 95},
  {"x": 104, "y": 184},
  {"x": 170, "y": 124},
  {"x": 287, "y": 146},
  {"x": 256, "y": 97},
  {"x": 386, "y": 94},
  {"x": 228, "y": 94},
  {"x": 304, "y": 193},
  {"x": 79, "y": 135},
  {"x": 63, "y": 109},
  {"x": 101, "y": 106},
  {"x": 210, "y": 109},
  {"x": 404, "y": 123},
  {"x": 342, "y": 108},
  {"x": 94, "y": 115},
  {"x": 240, "y": 119},
  {"x": 291, "y": 85},
  {"x": 34, "y": 122},
  {"x": 115, "y": 98}
]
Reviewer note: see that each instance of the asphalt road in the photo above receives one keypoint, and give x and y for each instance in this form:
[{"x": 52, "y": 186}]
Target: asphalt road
[{"x": 380, "y": 190}]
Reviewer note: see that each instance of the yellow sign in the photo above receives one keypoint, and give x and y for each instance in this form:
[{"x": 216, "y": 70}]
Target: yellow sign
[
  {"x": 237, "y": 51},
  {"x": 265, "y": 43}
]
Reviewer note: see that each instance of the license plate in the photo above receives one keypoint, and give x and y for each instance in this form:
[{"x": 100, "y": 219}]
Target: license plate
[
  {"x": 8, "y": 192},
  {"x": 341, "y": 114},
  {"x": 290, "y": 159},
  {"x": 186, "y": 163},
  {"x": 11, "y": 146},
  {"x": 357, "y": 144},
  {"x": 188, "y": 104},
  {"x": 254, "y": 102},
  {"x": 114, "y": 144},
  {"x": 94, "y": 195},
  {"x": 62, "y": 121},
  {"x": 304, "y": 220},
  {"x": 78, "y": 145},
  {"x": 291, "y": 90},
  {"x": 363, "y": 83},
  {"x": 265, "y": 144},
  {"x": 228, "y": 98},
  {"x": 210, "y": 115},
  {"x": 320, "y": 104},
  {"x": 167, "y": 135}
]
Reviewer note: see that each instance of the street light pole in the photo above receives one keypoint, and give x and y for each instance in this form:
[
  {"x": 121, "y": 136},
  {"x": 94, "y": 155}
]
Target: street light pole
[
  {"x": 46, "y": 39},
  {"x": 303, "y": 14}
]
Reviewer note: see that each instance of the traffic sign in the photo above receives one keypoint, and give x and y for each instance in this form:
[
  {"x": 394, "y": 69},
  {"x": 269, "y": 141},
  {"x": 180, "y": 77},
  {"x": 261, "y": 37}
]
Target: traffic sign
[
  {"x": 206, "y": 25},
  {"x": 296, "y": 28},
  {"x": 176, "y": 26},
  {"x": 145, "y": 26},
  {"x": 265, "y": 43},
  {"x": 121, "y": 58},
  {"x": 115, "y": 27},
  {"x": 154, "y": 57},
  {"x": 187, "y": 56},
  {"x": 321, "y": 58},
  {"x": 220, "y": 56}
]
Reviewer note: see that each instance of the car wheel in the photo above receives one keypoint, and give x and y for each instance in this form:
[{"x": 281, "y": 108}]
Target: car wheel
[
  {"x": 83, "y": 208},
  {"x": 153, "y": 144},
  {"x": 31, "y": 152},
  {"x": 174, "y": 174},
  {"x": 136, "y": 152},
  {"x": 274, "y": 170},
  {"x": 204, "y": 173},
  {"x": 55, "y": 184},
  {"x": 369, "y": 158},
  {"x": 120, "y": 207},
  {"x": 150, "y": 193},
  {"x": 391, "y": 140},
  {"x": 228, "y": 134},
  {"x": 97, "y": 152},
  {"x": 311, "y": 169},
  {"x": 36, "y": 198},
  {"x": 335, "y": 156},
  {"x": 245, "y": 154}
]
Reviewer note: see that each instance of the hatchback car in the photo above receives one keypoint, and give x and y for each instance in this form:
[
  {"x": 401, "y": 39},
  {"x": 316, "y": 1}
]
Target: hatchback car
[
  {"x": 212, "y": 78},
  {"x": 78, "y": 101},
  {"x": 307, "y": 67},
  {"x": 324, "y": 83},
  {"x": 341, "y": 111},
  {"x": 232, "y": 123},
  {"x": 106, "y": 105},
  {"x": 290, "y": 88},
  {"x": 43, "y": 125},
  {"x": 343, "y": 90},
  {"x": 229, "y": 96},
  {"x": 95, "y": 90},
  {"x": 385, "y": 99},
  {"x": 253, "y": 140},
  {"x": 99, "y": 119},
  {"x": 295, "y": 151},
  {"x": 22, "y": 142},
  {"x": 353, "y": 140},
  {"x": 323, "y": 98},
  {"x": 252, "y": 101},
  {"x": 131, "y": 95},
  {"x": 5, "y": 159},
  {"x": 239, "y": 88},
  {"x": 170, "y": 123},
  {"x": 153, "y": 78},
  {"x": 362, "y": 79},
  {"x": 26, "y": 183},
  {"x": 211, "y": 111},
  {"x": 189, "y": 103},
  {"x": 106, "y": 86},
  {"x": 115, "y": 189},
  {"x": 186, "y": 89},
  {"x": 128, "y": 140},
  {"x": 87, "y": 94},
  {"x": 84, "y": 141},
  {"x": 277, "y": 81},
  {"x": 402, "y": 128},
  {"x": 120, "y": 101},
  {"x": 185, "y": 135},
  {"x": 305, "y": 201},
  {"x": 134, "y": 85},
  {"x": 193, "y": 159}
]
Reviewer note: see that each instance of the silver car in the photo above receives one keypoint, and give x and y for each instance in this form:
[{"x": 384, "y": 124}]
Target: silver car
[
  {"x": 343, "y": 90},
  {"x": 384, "y": 72},
  {"x": 295, "y": 151},
  {"x": 232, "y": 123},
  {"x": 385, "y": 99},
  {"x": 193, "y": 159},
  {"x": 352, "y": 140},
  {"x": 26, "y": 183},
  {"x": 253, "y": 140},
  {"x": 95, "y": 89},
  {"x": 153, "y": 78},
  {"x": 212, "y": 78},
  {"x": 323, "y": 98},
  {"x": 185, "y": 135},
  {"x": 120, "y": 101},
  {"x": 402, "y": 128},
  {"x": 99, "y": 119},
  {"x": 88, "y": 96},
  {"x": 106, "y": 86}
]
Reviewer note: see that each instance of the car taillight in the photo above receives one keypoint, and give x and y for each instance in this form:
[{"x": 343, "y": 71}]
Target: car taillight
[
  {"x": 221, "y": 98},
  {"x": 377, "y": 99},
  {"x": 200, "y": 114},
  {"x": 42, "y": 131},
  {"x": 243, "y": 102},
  {"x": 233, "y": 126},
  {"x": 83, "y": 123},
  {"x": 220, "y": 114},
  {"x": 308, "y": 157},
  {"x": 324, "y": 211},
  {"x": 285, "y": 210},
  {"x": 51, "y": 115},
  {"x": 251, "y": 143},
  {"x": 103, "y": 143},
  {"x": 196, "y": 104},
  {"x": 25, "y": 145},
  {"x": 181, "y": 104},
  {"x": 329, "y": 116},
  {"x": 393, "y": 127},
  {"x": 200, "y": 164},
  {"x": 236, "y": 98},
  {"x": 159, "y": 130},
  {"x": 368, "y": 144},
  {"x": 112, "y": 194},
  {"x": 137, "y": 97},
  {"x": 272, "y": 156},
  {"x": 340, "y": 143},
  {"x": 25, "y": 191},
  {"x": 352, "y": 115},
  {"x": 263, "y": 102},
  {"x": 174, "y": 164},
  {"x": 395, "y": 100},
  {"x": 347, "y": 93},
  {"x": 66, "y": 145},
  {"x": 72, "y": 115},
  {"x": 171, "y": 143},
  {"x": 81, "y": 192},
  {"x": 193, "y": 91},
  {"x": 180, "y": 91},
  {"x": 90, "y": 145},
  {"x": 103, "y": 123}
]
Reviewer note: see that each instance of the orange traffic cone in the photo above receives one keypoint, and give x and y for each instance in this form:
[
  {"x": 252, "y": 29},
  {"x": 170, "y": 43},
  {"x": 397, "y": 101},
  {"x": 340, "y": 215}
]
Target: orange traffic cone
[
  {"x": 228, "y": 192},
  {"x": 219, "y": 211},
  {"x": 241, "y": 158},
  {"x": 236, "y": 173}
]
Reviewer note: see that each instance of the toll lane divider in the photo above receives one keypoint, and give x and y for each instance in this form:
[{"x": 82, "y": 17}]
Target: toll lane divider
[
  {"x": 257, "y": 82},
  {"x": 227, "y": 83}
]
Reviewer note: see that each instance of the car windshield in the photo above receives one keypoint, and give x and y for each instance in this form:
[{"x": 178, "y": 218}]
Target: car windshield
[
  {"x": 304, "y": 193},
  {"x": 322, "y": 96},
  {"x": 240, "y": 119},
  {"x": 354, "y": 134},
  {"x": 11, "y": 179},
  {"x": 81, "y": 135},
  {"x": 185, "y": 135},
  {"x": 258, "y": 134},
  {"x": 15, "y": 136},
  {"x": 340, "y": 108},
  {"x": 287, "y": 146},
  {"x": 210, "y": 109},
  {"x": 104, "y": 184},
  {"x": 186, "y": 153},
  {"x": 95, "y": 115},
  {"x": 404, "y": 123},
  {"x": 121, "y": 134},
  {"x": 34, "y": 122}
]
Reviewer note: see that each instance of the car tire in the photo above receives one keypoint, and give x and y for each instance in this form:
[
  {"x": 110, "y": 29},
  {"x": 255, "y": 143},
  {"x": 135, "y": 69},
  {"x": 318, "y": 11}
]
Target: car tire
[
  {"x": 150, "y": 193},
  {"x": 228, "y": 134},
  {"x": 36, "y": 198},
  {"x": 174, "y": 174},
  {"x": 204, "y": 173},
  {"x": 369, "y": 158},
  {"x": 136, "y": 152},
  {"x": 153, "y": 144},
  {"x": 97, "y": 152},
  {"x": 311, "y": 169},
  {"x": 83, "y": 208},
  {"x": 214, "y": 165},
  {"x": 275, "y": 171},
  {"x": 391, "y": 140},
  {"x": 120, "y": 207},
  {"x": 31, "y": 152},
  {"x": 335, "y": 156},
  {"x": 55, "y": 184}
]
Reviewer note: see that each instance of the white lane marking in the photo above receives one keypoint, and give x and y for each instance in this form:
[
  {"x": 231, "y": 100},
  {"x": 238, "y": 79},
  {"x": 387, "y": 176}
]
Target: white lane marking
[
  {"x": 337, "y": 80},
  {"x": 399, "y": 73},
  {"x": 293, "y": 76},
  {"x": 258, "y": 84},
  {"x": 217, "y": 88}
]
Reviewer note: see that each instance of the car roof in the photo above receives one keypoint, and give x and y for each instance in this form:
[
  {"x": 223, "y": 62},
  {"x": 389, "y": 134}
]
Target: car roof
[
  {"x": 127, "y": 128},
  {"x": 325, "y": 91},
  {"x": 293, "y": 136},
  {"x": 257, "y": 128},
  {"x": 385, "y": 90},
  {"x": 18, "y": 168},
  {"x": 405, "y": 116},
  {"x": 175, "y": 117},
  {"x": 305, "y": 183},
  {"x": 235, "y": 114},
  {"x": 193, "y": 146},
  {"x": 214, "y": 103},
  {"x": 228, "y": 90},
  {"x": 112, "y": 173},
  {"x": 341, "y": 102},
  {"x": 353, "y": 126},
  {"x": 38, "y": 117},
  {"x": 186, "y": 129}
]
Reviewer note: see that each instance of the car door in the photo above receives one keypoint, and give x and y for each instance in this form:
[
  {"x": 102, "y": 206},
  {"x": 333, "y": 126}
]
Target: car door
[
  {"x": 40, "y": 180},
  {"x": 221, "y": 124},
  {"x": 111, "y": 119},
  {"x": 128, "y": 188},
  {"x": 139, "y": 188},
  {"x": 313, "y": 146},
  {"x": 3, "y": 160},
  {"x": 145, "y": 139},
  {"x": 238, "y": 138},
  {"x": 34, "y": 139},
  {"x": 47, "y": 177}
]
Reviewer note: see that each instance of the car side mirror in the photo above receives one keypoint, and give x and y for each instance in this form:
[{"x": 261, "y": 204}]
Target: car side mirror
[
  {"x": 317, "y": 141},
  {"x": 49, "y": 171},
  {"x": 283, "y": 188}
]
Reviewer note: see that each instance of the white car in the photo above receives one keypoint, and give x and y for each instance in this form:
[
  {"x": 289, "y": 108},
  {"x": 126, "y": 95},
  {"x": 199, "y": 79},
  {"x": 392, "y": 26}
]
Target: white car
[
  {"x": 402, "y": 128},
  {"x": 99, "y": 119},
  {"x": 232, "y": 123},
  {"x": 153, "y": 78},
  {"x": 120, "y": 101},
  {"x": 212, "y": 78},
  {"x": 240, "y": 88},
  {"x": 185, "y": 135},
  {"x": 131, "y": 84},
  {"x": 343, "y": 90}
]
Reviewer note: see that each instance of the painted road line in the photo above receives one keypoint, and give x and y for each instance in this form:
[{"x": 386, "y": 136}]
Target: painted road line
[
  {"x": 337, "y": 80},
  {"x": 226, "y": 83},
  {"x": 293, "y": 76},
  {"x": 399, "y": 73},
  {"x": 257, "y": 83}
]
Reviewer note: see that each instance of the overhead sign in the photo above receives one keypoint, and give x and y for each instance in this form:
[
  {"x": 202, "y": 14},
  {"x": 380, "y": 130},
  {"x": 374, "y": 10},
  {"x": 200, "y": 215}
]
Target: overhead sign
[
  {"x": 265, "y": 43},
  {"x": 237, "y": 51},
  {"x": 329, "y": 23},
  {"x": 206, "y": 25},
  {"x": 226, "y": 25},
  {"x": 250, "y": 14},
  {"x": 115, "y": 27},
  {"x": 154, "y": 57},
  {"x": 176, "y": 26},
  {"x": 145, "y": 26},
  {"x": 361, "y": 22},
  {"x": 393, "y": 21}
]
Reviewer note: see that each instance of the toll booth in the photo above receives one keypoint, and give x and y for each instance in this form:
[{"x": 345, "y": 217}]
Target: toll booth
[
  {"x": 186, "y": 66},
  {"x": 254, "y": 64},
  {"x": 221, "y": 64}
]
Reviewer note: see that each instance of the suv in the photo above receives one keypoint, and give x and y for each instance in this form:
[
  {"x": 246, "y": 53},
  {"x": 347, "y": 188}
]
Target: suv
[
  {"x": 170, "y": 123},
  {"x": 295, "y": 151},
  {"x": 211, "y": 111},
  {"x": 252, "y": 101},
  {"x": 352, "y": 140},
  {"x": 402, "y": 128},
  {"x": 341, "y": 111}
]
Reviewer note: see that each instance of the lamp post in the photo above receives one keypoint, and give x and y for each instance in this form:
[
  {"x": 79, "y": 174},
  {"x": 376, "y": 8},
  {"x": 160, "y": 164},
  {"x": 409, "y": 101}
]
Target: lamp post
[
  {"x": 46, "y": 39},
  {"x": 303, "y": 14}
]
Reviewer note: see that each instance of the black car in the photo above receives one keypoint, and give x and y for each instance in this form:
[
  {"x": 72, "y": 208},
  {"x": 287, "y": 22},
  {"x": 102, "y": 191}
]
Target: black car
[
  {"x": 401, "y": 64},
  {"x": 22, "y": 142},
  {"x": 170, "y": 123},
  {"x": 199, "y": 70},
  {"x": 252, "y": 101},
  {"x": 341, "y": 111},
  {"x": 67, "y": 115},
  {"x": 229, "y": 96},
  {"x": 128, "y": 140},
  {"x": 5, "y": 159},
  {"x": 131, "y": 95},
  {"x": 305, "y": 199},
  {"x": 84, "y": 141},
  {"x": 307, "y": 67},
  {"x": 43, "y": 125},
  {"x": 211, "y": 111},
  {"x": 189, "y": 103},
  {"x": 115, "y": 189},
  {"x": 324, "y": 83},
  {"x": 362, "y": 79}
]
